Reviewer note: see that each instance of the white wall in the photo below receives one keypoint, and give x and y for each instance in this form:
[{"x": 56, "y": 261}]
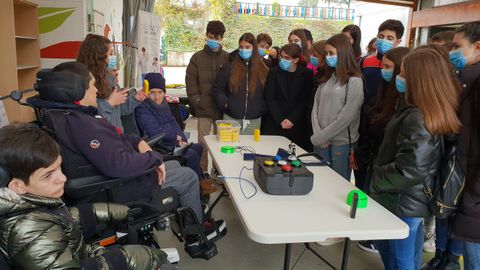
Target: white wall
[{"x": 369, "y": 16}]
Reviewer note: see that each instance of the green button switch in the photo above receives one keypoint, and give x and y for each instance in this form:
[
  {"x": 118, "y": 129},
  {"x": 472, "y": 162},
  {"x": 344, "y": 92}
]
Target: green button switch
[
  {"x": 362, "y": 198},
  {"x": 296, "y": 163},
  {"x": 228, "y": 149}
]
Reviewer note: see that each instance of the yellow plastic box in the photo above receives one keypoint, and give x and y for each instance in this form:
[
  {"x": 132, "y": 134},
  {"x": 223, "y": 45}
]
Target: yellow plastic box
[{"x": 227, "y": 130}]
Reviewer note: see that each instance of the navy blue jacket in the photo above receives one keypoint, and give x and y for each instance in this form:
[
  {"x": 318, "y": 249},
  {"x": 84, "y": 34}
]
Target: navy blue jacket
[
  {"x": 154, "y": 119},
  {"x": 86, "y": 139},
  {"x": 371, "y": 67}
]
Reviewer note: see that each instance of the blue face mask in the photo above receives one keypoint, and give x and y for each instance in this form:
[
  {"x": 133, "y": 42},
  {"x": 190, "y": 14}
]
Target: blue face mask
[
  {"x": 314, "y": 60},
  {"x": 387, "y": 74},
  {"x": 401, "y": 84},
  {"x": 213, "y": 44},
  {"x": 112, "y": 62},
  {"x": 331, "y": 60},
  {"x": 383, "y": 45},
  {"x": 285, "y": 64},
  {"x": 245, "y": 54},
  {"x": 457, "y": 59},
  {"x": 262, "y": 52}
]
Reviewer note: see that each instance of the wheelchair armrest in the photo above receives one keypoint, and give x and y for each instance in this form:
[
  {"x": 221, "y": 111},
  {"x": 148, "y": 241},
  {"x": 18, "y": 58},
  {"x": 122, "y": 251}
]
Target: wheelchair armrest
[
  {"x": 155, "y": 140},
  {"x": 80, "y": 187}
]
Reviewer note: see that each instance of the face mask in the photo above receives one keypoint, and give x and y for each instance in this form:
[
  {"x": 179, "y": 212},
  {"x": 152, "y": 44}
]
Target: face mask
[
  {"x": 387, "y": 74},
  {"x": 299, "y": 43},
  {"x": 314, "y": 60},
  {"x": 245, "y": 54},
  {"x": 383, "y": 45},
  {"x": 457, "y": 59},
  {"x": 112, "y": 62},
  {"x": 213, "y": 44},
  {"x": 401, "y": 84},
  {"x": 285, "y": 64},
  {"x": 331, "y": 60},
  {"x": 262, "y": 52}
]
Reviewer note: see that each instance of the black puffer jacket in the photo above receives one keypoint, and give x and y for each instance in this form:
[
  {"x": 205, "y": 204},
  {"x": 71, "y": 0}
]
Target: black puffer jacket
[
  {"x": 408, "y": 160},
  {"x": 237, "y": 101}
]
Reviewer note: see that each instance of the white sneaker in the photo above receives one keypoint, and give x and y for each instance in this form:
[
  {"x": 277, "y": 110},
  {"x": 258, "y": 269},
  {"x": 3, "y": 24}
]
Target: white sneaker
[
  {"x": 331, "y": 241},
  {"x": 429, "y": 244}
]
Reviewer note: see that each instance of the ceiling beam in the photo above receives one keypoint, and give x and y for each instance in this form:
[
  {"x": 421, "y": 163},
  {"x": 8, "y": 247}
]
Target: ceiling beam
[
  {"x": 450, "y": 14},
  {"x": 401, "y": 3}
]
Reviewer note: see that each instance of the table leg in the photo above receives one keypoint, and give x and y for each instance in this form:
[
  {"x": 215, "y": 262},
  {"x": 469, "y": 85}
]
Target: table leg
[
  {"x": 286, "y": 261},
  {"x": 346, "y": 253}
]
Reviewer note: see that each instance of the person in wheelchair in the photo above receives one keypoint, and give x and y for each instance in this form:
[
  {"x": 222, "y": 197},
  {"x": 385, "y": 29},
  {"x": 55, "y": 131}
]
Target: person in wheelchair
[
  {"x": 90, "y": 139},
  {"x": 38, "y": 230},
  {"x": 154, "y": 117}
]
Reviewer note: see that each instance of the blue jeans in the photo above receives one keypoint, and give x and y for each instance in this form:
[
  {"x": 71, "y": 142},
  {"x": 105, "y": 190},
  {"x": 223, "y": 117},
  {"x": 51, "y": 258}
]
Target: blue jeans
[
  {"x": 338, "y": 156},
  {"x": 404, "y": 254},
  {"x": 471, "y": 256},
  {"x": 442, "y": 241}
]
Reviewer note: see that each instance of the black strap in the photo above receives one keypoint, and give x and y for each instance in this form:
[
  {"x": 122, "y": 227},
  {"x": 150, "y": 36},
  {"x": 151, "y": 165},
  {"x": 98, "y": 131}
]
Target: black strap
[
  {"x": 345, "y": 103},
  {"x": 90, "y": 264},
  {"x": 116, "y": 260},
  {"x": 88, "y": 220}
]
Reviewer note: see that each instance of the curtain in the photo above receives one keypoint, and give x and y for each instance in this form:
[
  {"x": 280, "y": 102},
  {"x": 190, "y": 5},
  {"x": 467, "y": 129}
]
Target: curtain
[{"x": 130, "y": 18}]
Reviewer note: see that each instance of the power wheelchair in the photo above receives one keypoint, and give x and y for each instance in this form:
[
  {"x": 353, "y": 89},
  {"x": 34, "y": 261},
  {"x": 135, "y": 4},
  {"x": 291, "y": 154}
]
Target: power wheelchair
[{"x": 91, "y": 186}]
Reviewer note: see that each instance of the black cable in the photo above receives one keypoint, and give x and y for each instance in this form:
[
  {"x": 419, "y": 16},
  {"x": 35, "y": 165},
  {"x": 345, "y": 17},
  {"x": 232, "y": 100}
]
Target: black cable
[
  {"x": 299, "y": 257},
  {"x": 245, "y": 149}
]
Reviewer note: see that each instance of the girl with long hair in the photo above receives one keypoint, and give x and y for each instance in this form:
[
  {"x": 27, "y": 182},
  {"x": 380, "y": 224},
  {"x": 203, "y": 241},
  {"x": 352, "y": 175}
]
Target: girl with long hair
[
  {"x": 287, "y": 95},
  {"x": 113, "y": 102},
  {"x": 239, "y": 88},
  {"x": 298, "y": 37},
  {"x": 375, "y": 117},
  {"x": 336, "y": 108},
  {"x": 354, "y": 35},
  {"x": 409, "y": 157}
]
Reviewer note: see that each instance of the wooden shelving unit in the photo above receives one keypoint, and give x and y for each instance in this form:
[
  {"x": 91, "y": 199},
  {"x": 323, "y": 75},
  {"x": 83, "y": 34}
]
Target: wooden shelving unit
[{"x": 20, "y": 53}]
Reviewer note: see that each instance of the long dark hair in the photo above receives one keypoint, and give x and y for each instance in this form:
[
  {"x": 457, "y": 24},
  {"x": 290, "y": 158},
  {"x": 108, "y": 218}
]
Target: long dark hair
[
  {"x": 93, "y": 53},
  {"x": 384, "y": 106},
  {"x": 347, "y": 64},
  {"x": 356, "y": 34},
  {"x": 301, "y": 34},
  {"x": 259, "y": 69}
]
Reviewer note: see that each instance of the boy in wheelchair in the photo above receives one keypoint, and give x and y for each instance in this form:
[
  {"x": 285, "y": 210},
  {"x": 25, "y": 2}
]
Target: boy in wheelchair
[
  {"x": 154, "y": 117},
  {"x": 38, "y": 230},
  {"x": 86, "y": 139}
]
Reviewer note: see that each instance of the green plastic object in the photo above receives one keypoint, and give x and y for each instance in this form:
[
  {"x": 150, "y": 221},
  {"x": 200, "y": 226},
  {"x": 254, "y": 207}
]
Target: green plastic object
[
  {"x": 362, "y": 198},
  {"x": 228, "y": 149},
  {"x": 296, "y": 163}
]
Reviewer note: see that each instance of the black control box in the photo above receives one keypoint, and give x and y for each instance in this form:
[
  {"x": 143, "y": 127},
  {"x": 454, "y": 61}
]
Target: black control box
[{"x": 282, "y": 177}]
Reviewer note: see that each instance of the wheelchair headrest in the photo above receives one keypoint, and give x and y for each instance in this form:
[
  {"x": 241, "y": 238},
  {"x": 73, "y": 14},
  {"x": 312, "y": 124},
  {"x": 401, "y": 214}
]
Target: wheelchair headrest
[{"x": 61, "y": 86}]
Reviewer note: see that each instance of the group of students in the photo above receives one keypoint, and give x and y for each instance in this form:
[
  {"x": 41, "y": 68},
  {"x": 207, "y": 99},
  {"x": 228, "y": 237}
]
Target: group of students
[{"x": 384, "y": 115}]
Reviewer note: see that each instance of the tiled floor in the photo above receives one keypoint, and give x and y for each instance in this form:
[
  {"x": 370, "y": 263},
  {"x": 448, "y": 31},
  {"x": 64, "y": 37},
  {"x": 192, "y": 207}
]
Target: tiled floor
[{"x": 237, "y": 252}]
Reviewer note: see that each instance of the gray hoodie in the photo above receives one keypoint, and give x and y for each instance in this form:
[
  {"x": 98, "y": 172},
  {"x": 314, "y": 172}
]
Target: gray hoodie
[
  {"x": 331, "y": 116},
  {"x": 114, "y": 113}
]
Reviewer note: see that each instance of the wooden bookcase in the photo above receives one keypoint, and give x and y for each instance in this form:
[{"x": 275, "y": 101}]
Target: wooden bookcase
[{"x": 20, "y": 53}]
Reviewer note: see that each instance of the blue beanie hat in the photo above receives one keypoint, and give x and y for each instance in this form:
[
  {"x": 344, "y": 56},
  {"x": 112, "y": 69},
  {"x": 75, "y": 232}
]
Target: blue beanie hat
[{"x": 155, "y": 80}]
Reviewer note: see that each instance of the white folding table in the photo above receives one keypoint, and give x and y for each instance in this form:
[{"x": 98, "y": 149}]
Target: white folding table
[{"x": 317, "y": 216}]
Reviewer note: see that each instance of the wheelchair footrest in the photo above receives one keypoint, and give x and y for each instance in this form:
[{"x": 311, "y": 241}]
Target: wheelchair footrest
[{"x": 204, "y": 251}]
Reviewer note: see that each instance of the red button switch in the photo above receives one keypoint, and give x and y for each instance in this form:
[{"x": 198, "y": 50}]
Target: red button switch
[{"x": 286, "y": 168}]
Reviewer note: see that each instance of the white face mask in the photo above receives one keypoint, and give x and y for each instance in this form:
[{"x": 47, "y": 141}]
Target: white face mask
[{"x": 299, "y": 43}]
